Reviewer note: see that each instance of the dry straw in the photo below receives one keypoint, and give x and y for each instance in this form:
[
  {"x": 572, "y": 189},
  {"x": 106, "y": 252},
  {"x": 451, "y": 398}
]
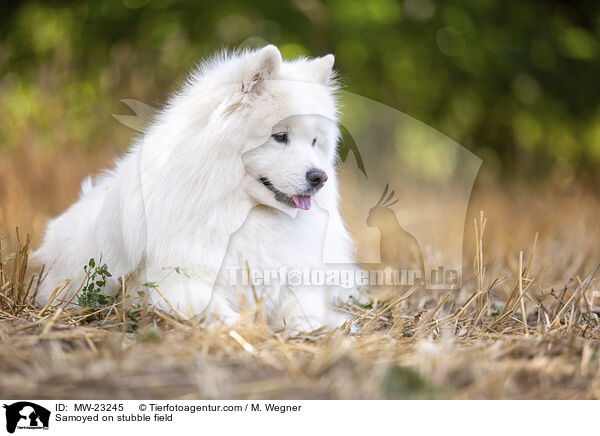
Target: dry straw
[{"x": 528, "y": 345}]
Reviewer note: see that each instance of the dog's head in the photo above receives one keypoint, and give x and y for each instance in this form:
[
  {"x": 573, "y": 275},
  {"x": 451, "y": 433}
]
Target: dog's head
[
  {"x": 295, "y": 162},
  {"x": 291, "y": 107}
]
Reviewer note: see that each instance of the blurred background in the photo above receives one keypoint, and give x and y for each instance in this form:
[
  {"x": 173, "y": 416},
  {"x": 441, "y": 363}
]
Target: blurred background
[{"x": 516, "y": 84}]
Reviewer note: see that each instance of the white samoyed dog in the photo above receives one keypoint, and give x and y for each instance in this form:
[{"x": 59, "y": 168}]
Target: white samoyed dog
[{"x": 236, "y": 173}]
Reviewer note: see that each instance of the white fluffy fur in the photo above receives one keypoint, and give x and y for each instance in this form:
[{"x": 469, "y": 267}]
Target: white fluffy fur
[{"x": 186, "y": 195}]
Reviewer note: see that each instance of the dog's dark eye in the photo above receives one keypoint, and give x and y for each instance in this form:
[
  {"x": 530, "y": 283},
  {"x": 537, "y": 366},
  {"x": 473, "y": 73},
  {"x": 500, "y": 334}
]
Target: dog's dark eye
[
  {"x": 314, "y": 141},
  {"x": 280, "y": 137}
]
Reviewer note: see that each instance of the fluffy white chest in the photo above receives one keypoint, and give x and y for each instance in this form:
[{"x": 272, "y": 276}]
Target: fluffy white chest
[{"x": 271, "y": 239}]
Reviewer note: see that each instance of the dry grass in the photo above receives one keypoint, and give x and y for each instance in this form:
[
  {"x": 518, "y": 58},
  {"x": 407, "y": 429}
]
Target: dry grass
[{"x": 524, "y": 324}]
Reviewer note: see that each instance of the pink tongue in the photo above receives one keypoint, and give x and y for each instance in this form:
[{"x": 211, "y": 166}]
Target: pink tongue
[{"x": 302, "y": 201}]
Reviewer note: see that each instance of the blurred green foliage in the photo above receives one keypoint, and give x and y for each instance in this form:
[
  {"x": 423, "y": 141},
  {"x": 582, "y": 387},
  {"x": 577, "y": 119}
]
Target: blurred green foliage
[{"x": 518, "y": 83}]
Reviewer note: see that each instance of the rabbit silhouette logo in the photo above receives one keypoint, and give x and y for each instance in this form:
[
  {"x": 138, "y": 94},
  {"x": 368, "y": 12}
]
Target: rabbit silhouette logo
[
  {"x": 398, "y": 248},
  {"x": 26, "y": 415}
]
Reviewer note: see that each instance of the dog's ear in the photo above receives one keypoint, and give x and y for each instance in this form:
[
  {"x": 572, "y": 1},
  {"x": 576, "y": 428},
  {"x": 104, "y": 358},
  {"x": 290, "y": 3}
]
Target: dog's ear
[
  {"x": 323, "y": 68},
  {"x": 262, "y": 66}
]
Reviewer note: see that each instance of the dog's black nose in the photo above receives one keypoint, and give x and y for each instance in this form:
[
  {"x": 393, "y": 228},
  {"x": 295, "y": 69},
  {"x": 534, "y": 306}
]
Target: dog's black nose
[{"x": 316, "y": 177}]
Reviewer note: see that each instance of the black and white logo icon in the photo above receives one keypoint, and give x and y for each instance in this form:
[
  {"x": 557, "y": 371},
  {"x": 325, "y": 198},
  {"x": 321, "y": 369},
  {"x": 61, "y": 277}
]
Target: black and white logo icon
[{"x": 26, "y": 415}]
